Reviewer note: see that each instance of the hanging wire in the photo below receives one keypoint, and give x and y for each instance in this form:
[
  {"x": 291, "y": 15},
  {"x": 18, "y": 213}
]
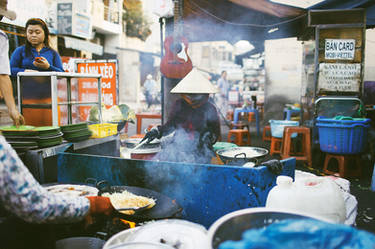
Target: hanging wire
[{"x": 246, "y": 24}]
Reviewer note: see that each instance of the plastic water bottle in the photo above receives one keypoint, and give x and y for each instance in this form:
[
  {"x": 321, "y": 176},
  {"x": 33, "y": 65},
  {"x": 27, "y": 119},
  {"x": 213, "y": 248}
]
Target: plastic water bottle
[
  {"x": 317, "y": 196},
  {"x": 283, "y": 194}
]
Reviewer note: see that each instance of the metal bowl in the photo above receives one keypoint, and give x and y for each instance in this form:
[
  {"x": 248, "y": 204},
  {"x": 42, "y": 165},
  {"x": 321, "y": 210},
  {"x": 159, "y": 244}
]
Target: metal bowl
[
  {"x": 241, "y": 155},
  {"x": 231, "y": 226},
  {"x": 132, "y": 142},
  {"x": 141, "y": 245}
]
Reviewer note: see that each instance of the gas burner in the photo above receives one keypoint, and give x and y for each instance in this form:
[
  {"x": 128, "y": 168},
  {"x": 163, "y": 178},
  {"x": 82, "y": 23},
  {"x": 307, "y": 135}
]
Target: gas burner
[{"x": 108, "y": 227}]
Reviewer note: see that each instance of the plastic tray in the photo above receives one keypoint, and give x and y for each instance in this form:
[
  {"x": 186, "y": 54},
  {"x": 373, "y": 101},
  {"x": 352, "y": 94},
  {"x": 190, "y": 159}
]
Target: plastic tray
[
  {"x": 73, "y": 127},
  {"x": 103, "y": 130},
  {"x": 277, "y": 127}
]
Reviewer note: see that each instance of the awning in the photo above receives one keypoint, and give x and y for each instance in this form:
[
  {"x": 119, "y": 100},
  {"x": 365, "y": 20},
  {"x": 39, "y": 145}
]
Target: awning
[
  {"x": 232, "y": 20},
  {"x": 255, "y": 20},
  {"x": 80, "y": 45}
]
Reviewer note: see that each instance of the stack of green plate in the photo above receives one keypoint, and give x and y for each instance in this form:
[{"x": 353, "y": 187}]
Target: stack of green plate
[
  {"x": 27, "y": 137},
  {"x": 21, "y": 138},
  {"x": 76, "y": 132},
  {"x": 49, "y": 136}
]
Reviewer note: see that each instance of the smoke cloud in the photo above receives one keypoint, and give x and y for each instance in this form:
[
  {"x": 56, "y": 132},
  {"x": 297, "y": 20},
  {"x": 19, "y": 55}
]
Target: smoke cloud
[{"x": 183, "y": 146}]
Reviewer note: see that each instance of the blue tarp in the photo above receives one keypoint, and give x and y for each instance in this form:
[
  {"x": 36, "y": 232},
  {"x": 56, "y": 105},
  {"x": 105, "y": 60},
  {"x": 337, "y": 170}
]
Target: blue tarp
[{"x": 369, "y": 5}]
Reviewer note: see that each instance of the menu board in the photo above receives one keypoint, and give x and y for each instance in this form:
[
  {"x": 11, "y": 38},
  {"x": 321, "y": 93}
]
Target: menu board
[
  {"x": 88, "y": 88},
  {"x": 342, "y": 77}
]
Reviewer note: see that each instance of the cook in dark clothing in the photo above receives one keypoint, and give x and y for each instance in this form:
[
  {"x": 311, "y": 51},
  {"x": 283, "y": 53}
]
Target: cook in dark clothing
[{"x": 195, "y": 121}]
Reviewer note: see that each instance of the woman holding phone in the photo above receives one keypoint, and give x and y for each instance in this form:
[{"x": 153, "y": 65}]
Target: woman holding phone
[{"x": 36, "y": 56}]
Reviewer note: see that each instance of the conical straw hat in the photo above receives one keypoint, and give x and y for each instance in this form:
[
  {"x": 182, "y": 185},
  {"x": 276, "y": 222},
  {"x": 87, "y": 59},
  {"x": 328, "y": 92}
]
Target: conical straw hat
[{"x": 194, "y": 82}]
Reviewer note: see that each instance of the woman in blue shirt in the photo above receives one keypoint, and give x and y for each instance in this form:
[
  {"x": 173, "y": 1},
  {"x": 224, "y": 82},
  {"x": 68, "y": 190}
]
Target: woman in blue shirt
[{"x": 36, "y": 55}]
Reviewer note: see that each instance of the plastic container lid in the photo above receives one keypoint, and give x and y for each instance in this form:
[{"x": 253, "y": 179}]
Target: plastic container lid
[{"x": 284, "y": 180}]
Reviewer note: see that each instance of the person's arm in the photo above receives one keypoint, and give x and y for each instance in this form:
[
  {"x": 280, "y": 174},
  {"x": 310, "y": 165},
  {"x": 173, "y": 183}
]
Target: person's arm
[
  {"x": 5, "y": 83},
  {"x": 57, "y": 63},
  {"x": 49, "y": 61},
  {"x": 214, "y": 122},
  {"x": 7, "y": 92},
  {"x": 23, "y": 196},
  {"x": 170, "y": 126},
  {"x": 15, "y": 62},
  {"x": 167, "y": 128}
]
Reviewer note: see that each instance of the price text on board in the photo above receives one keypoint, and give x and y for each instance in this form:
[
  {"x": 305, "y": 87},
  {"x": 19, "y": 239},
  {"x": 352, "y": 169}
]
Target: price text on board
[{"x": 339, "y": 77}]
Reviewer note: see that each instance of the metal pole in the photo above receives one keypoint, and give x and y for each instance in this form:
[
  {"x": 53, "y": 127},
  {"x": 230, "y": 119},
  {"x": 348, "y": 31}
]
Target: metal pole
[
  {"x": 19, "y": 94},
  {"x": 69, "y": 96},
  {"x": 162, "y": 76},
  {"x": 100, "y": 99},
  {"x": 55, "y": 119}
]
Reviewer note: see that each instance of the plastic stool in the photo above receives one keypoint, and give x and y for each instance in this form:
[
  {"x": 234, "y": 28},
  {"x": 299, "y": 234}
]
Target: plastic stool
[
  {"x": 240, "y": 125},
  {"x": 275, "y": 145},
  {"x": 266, "y": 133},
  {"x": 286, "y": 151},
  {"x": 229, "y": 115},
  {"x": 251, "y": 117},
  {"x": 345, "y": 165},
  {"x": 241, "y": 137}
]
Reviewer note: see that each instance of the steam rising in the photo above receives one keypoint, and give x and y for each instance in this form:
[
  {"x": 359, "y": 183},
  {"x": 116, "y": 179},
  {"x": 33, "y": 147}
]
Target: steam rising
[{"x": 184, "y": 146}]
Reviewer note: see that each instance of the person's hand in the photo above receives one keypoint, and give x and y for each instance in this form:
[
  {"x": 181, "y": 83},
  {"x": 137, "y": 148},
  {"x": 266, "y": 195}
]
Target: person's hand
[
  {"x": 17, "y": 118},
  {"x": 31, "y": 70},
  {"x": 151, "y": 135},
  {"x": 99, "y": 205},
  {"x": 207, "y": 139},
  {"x": 273, "y": 165},
  {"x": 41, "y": 62}
]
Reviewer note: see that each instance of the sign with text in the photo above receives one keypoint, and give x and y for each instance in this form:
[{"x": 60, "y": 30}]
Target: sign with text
[
  {"x": 339, "y": 77},
  {"x": 339, "y": 49},
  {"x": 64, "y": 18},
  {"x": 88, "y": 88}
]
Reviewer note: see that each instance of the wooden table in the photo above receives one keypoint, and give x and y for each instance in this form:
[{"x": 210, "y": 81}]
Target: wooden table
[{"x": 141, "y": 116}]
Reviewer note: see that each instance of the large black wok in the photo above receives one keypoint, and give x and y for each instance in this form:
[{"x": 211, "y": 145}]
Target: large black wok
[
  {"x": 241, "y": 155},
  {"x": 164, "y": 208}
]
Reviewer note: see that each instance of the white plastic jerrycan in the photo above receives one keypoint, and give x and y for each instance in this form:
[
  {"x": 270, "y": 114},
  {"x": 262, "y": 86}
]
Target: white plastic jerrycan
[{"x": 318, "y": 196}]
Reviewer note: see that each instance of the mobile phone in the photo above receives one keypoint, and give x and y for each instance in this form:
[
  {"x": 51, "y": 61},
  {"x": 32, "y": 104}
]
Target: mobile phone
[{"x": 38, "y": 59}]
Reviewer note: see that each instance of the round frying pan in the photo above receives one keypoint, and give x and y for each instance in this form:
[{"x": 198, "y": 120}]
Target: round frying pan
[{"x": 164, "y": 208}]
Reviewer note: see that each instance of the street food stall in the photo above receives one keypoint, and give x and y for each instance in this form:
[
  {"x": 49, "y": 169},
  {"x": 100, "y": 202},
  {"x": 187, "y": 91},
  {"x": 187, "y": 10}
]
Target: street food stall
[
  {"x": 204, "y": 191},
  {"x": 59, "y": 120}
]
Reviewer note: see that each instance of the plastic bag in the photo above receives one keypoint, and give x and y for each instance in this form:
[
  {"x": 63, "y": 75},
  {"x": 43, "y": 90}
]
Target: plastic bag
[{"x": 303, "y": 233}]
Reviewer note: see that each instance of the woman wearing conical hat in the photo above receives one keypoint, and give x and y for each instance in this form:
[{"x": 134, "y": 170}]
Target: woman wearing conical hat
[{"x": 194, "y": 121}]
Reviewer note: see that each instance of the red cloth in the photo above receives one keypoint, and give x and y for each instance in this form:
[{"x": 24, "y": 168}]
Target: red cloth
[{"x": 100, "y": 205}]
